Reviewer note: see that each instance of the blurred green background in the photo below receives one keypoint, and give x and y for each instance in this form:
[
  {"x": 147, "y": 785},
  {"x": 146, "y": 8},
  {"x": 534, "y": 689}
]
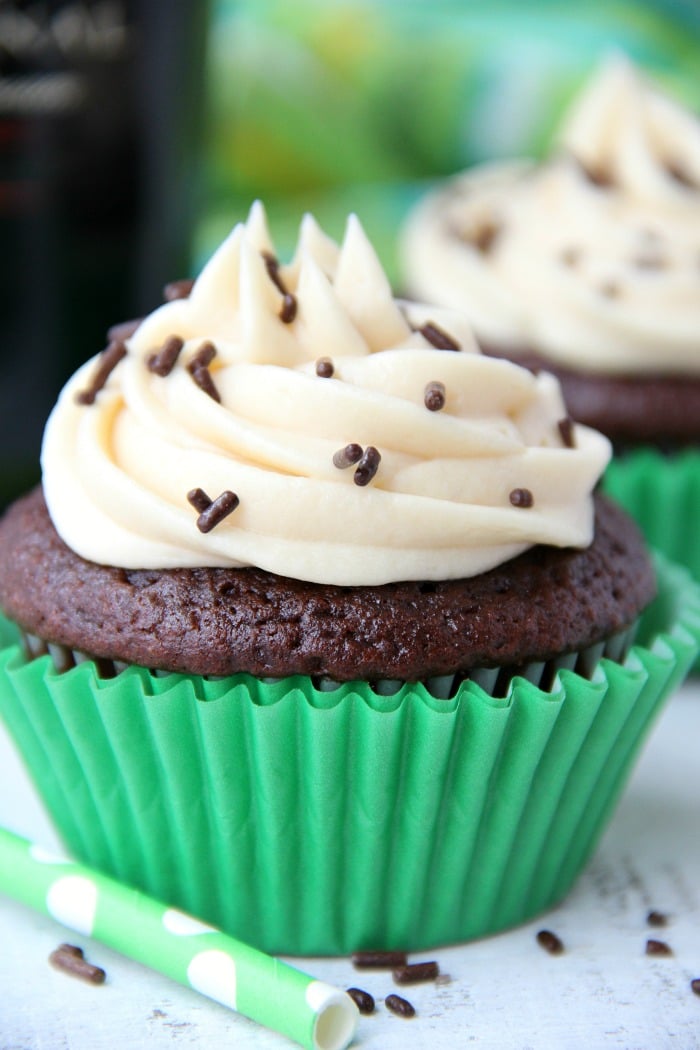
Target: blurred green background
[{"x": 359, "y": 105}]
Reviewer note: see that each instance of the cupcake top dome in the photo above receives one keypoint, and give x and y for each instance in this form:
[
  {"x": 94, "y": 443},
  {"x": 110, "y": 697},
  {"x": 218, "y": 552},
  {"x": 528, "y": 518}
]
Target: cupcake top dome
[
  {"x": 591, "y": 258},
  {"x": 299, "y": 419}
]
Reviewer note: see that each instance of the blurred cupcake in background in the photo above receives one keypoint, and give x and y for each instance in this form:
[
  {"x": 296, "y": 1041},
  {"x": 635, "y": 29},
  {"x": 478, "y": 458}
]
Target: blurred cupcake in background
[{"x": 588, "y": 266}]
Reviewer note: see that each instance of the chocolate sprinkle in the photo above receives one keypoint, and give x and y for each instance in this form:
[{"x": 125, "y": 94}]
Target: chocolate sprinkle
[
  {"x": 198, "y": 368},
  {"x": 288, "y": 310},
  {"x": 370, "y": 960},
  {"x": 412, "y": 973},
  {"x": 399, "y": 1006},
  {"x": 362, "y": 1000},
  {"x": 680, "y": 174},
  {"x": 199, "y": 499},
  {"x": 596, "y": 176},
  {"x": 571, "y": 256},
  {"x": 550, "y": 942},
  {"x": 566, "y": 430},
  {"x": 659, "y": 948},
  {"x": 521, "y": 498},
  {"x": 437, "y": 337},
  {"x": 163, "y": 362},
  {"x": 324, "y": 368},
  {"x": 217, "y": 510},
  {"x": 178, "y": 289},
  {"x": 108, "y": 361},
  {"x": 695, "y": 985},
  {"x": 273, "y": 271},
  {"x": 657, "y": 918},
  {"x": 367, "y": 466},
  {"x": 118, "y": 333},
  {"x": 485, "y": 236},
  {"x": 610, "y": 289},
  {"x": 434, "y": 396},
  {"x": 69, "y": 958},
  {"x": 346, "y": 457}
]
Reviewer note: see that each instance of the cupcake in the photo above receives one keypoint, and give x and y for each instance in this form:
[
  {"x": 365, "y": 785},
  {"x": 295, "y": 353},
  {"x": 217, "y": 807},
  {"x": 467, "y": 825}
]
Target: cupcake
[
  {"x": 315, "y": 628},
  {"x": 588, "y": 265}
]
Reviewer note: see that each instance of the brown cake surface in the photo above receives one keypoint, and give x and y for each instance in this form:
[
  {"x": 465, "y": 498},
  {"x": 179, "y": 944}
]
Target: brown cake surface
[
  {"x": 545, "y": 602},
  {"x": 661, "y": 409}
]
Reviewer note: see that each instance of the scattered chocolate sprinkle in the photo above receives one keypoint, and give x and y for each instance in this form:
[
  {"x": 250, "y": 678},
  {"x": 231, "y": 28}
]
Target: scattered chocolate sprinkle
[
  {"x": 437, "y": 337},
  {"x": 550, "y": 942},
  {"x": 204, "y": 356},
  {"x": 571, "y": 256},
  {"x": 273, "y": 271},
  {"x": 124, "y": 330},
  {"x": 217, "y": 510},
  {"x": 367, "y": 466},
  {"x": 657, "y": 918},
  {"x": 363, "y": 1000},
  {"x": 108, "y": 361},
  {"x": 198, "y": 499},
  {"x": 163, "y": 362},
  {"x": 178, "y": 289},
  {"x": 412, "y": 973},
  {"x": 678, "y": 171},
  {"x": 378, "y": 960},
  {"x": 399, "y": 1006},
  {"x": 346, "y": 457},
  {"x": 69, "y": 958},
  {"x": 324, "y": 368},
  {"x": 597, "y": 176},
  {"x": 695, "y": 985},
  {"x": 658, "y": 948},
  {"x": 198, "y": 368},
  {"x": 434, "y": 396},
  {"x": 610, "y": 289},
  {"x": 566, "y": 429},
  {"x": 288, "y": 310},
  {"x": 521, "y": 498},
  {"x": 485, "y": 236}
]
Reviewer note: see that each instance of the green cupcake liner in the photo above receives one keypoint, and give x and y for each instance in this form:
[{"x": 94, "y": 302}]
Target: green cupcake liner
[
  {"x": 662, "y": 492},
  {"x": 310, "y": 822}
]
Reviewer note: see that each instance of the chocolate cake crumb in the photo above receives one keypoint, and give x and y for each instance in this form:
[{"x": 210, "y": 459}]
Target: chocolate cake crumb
[
  {"x": 178, "y": 289},
  {"x": 412, "y": 973},
  {"x": 695, "y": 985},
  {"x": 288, "y": 310},
  {"x": 550, "y": 942},
  {"x": 346, "y": 457},
  {"x": 434, "y": 396},
  {"x": 566, "y": 430},
  {"x": 657, "y": 918},
  {"x": 400, "y": 1006},
  {"x": 659, "y": 948},
  {"x": 362, "y": 999},
  {"x": 521, "y": 498},
  {"x": 437, "y": 337},
  {"x": 370, "y": 960},
  {"x": 217, "y": 510},
  {"x": 108, "y": 361},
  {"x": 163, "y": 362},
  {"x": 70, "y": 959},
  {"x": 324, "y": 368},
  {"x": 367, "y": 466}
]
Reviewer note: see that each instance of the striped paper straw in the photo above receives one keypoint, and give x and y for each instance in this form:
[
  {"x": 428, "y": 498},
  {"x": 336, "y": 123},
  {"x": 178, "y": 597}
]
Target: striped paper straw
[{"x": 282, "y": 998}]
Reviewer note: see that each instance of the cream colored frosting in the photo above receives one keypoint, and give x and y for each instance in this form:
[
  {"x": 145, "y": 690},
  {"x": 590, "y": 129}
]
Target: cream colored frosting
[
  {"x": 604, "y": 278},
  {"x": 117, "y": 472}
]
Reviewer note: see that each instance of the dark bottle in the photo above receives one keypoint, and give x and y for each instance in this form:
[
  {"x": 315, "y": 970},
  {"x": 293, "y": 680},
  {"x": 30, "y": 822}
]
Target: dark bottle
[{"x": 99, "y": 115}]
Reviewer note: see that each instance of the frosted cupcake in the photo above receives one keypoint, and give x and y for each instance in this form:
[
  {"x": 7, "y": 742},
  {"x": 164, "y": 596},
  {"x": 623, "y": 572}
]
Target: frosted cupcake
[
  {"x": 316, "y": 612},
  {"x": 587, "y": 265}
]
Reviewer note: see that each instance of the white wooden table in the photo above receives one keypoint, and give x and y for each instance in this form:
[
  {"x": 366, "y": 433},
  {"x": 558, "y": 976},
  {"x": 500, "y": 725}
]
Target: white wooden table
[{"x": 504, "y": 993}]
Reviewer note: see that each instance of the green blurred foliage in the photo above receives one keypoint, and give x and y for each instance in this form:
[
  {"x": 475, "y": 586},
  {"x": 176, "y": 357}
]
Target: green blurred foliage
[{"x": 350, "y": 105}]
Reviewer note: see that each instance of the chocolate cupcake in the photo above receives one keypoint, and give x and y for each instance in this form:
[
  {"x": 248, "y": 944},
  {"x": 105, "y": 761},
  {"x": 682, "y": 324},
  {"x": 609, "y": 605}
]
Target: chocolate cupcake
[
  {"x": 586, "y": 265},
  {"x": 315, "y": 611}
]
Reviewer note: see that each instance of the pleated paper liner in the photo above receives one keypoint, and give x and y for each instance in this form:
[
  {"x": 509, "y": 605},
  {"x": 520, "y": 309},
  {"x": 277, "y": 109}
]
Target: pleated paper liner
[{"x": 307, "y": 821}]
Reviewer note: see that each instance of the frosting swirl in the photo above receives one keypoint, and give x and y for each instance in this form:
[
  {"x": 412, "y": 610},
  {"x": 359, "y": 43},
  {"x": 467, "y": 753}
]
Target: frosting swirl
[
  {"x": 592, "y": 258},
  {"x": 266, "y": 420}
]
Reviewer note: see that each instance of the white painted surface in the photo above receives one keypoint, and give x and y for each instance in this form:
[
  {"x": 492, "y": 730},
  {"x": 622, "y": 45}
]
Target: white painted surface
[{"x": 505, "y": 992}]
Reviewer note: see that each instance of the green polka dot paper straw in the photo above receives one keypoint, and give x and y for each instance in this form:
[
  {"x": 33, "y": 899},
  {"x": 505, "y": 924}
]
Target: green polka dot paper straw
[{"x": 282, "y": 998}]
